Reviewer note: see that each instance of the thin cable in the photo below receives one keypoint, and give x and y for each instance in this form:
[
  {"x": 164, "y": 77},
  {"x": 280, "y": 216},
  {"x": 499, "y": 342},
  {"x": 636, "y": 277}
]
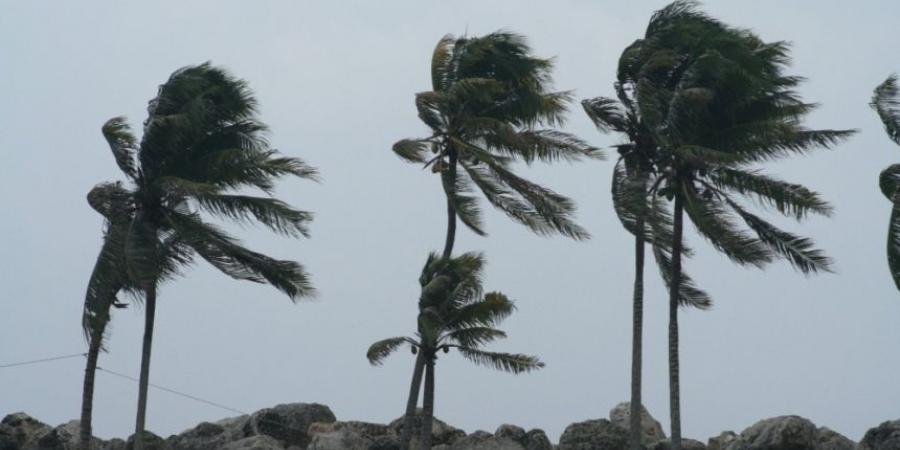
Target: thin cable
[
  {"x": 38, "y": 361},
  {"x": 172, "y": 391}
]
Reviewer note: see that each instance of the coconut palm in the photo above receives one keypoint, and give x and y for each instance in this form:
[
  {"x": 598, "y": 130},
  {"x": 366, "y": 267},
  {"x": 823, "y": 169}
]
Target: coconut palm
[
  {"x": 886, "y": 102},
  {"x": 632, "y": 179},
  {"x": 201, "y": 142},
  {"x": 719, "y": 103},
  {"x": 490, "y": 106},
  {"x": 455, "y": 314}
]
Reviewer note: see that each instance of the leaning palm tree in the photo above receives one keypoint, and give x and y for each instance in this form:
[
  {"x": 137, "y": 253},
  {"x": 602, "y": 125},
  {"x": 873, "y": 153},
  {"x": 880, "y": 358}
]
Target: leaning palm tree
[
  {"x": 455, "y": 314},
  {"x": 886, "y": 102},
  {"x": 719, "y": 103},
  {"x": 490, "y": 106},
  {"x": 632, "y": 179},
  {"x": 201, "y": 142}
]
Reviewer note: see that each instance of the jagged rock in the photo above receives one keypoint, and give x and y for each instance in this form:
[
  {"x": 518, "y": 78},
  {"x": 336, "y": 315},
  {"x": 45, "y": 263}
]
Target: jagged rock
[
  {"x": 261, "y": 442},
  {"x": 883, "y": 437},
  {"x": 386, "y": 442},
  {"x": 288, "y": 423},
  {"x": 115, "y": 444},
  {"x": 593, "y": 435},
  {"x": 210, "y": 436},
  {"x": 686, "y": 444},
  {"x": 22, "y": 430},
  {"x": 828, "y": 439},
  {"x": 513, "y": 432},
  {"x": 721, "y": 441},
  {"x": 441, "y": 433},
  {"x": 482, "y": 440},
  {"x": 344, "y": 439},
  {"x": 151, "y": 442},
  {"x": 651, "y": 430},
  {"x": 536, "y": 439},
  {"x": 778, "y": 433}
]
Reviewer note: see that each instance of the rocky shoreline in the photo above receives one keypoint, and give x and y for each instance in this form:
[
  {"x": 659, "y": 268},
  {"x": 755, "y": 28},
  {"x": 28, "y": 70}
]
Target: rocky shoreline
[{"x": 311, "y": 426}]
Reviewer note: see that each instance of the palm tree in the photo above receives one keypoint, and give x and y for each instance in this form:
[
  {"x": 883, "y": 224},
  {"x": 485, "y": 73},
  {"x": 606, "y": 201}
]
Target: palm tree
[
  {"x": 718, "y": 103},
  {"x": 455, "y": 314},
  {"x": 633, "y": 176},
  {"x": 489, "y": 102},
  {"x": 201, "y": 141},
  {"x": 886, "y": 102}
]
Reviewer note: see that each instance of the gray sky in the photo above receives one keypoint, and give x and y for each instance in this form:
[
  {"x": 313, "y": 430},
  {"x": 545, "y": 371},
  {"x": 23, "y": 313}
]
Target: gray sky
[{"x": 335, "y": 81}]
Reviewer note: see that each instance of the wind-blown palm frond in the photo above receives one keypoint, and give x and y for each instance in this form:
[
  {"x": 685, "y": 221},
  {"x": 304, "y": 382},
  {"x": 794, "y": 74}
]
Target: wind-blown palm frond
[
  {"x": 122, "y": 143},
  {"x": 886, "y": 102},
  {"x": 507, "y": 362},
  {"x": 383, "y": 348}
]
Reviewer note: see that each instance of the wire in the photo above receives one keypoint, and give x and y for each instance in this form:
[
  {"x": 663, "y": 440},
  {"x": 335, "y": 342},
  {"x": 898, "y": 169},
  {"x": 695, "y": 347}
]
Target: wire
[
  {"x": 38, "y": 361},
  {"x": 172, "y": 391}
]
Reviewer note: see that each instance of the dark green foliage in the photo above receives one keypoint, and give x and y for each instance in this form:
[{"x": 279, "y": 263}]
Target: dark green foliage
[
  {"x": 886, "y": 102},
  {"x": 488, "y": 102}
]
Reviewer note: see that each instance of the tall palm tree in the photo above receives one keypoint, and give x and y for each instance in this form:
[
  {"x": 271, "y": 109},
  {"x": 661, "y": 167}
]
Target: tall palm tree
[
  {"x": 632, "y": 179},
  {"x": 455, "y": 314},
  {"x": 719, "y": 104},
  {"x": 201, "y": 142},
  {"x": 886, "y": 102},
  {"x": 491, "y": 105}
]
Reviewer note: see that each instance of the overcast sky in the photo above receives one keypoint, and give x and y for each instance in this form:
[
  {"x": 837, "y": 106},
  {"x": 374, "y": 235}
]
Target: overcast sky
[{"x": 335, "y": 81}]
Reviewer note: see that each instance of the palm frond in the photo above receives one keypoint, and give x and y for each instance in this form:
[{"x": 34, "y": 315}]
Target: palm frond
[
  {"x": 382, "y": 349},
  {"x": 507, "y": 362},
  {"x": 893, "y": 243},
  {"x": 688, "y": 292},
  {"x": 488, "y": 312},
  {"x": 889, "y": 181},
  {"x": 271, "y": 212},
  {"x": 714, "y": 222},
  {"x": 412, "y": 150},
  {"x": 458, "y": 190},
  {"x": 886, "y": 102},
  {"x": 606, "y": 114},
  {"x": 473, "y": 336},
  {"x": 123, "y": 144},
  {"x": 787, "y": 198}
]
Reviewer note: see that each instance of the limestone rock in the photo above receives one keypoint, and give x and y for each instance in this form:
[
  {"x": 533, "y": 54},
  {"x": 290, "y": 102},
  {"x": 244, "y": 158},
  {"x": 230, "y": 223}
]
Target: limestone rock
[
  {"x": 510, "y": 432},
  {"x": 261, "y": 442},
  {"x": 482, "y": 440},
  {"x": 441, "y": 433},
  {"x": 22, "y": 430},
  {"x": 827, "y": 439},
  {"x": 777, "y": 433},
  {"x": 151, "y": 442},
  {"x": 651, "y": 430},
  {"x": 722, "y": 441},
  {"x": 883, "y": 437},
  {"x": 536, "y": 439},
  {"x": 289, "y": 422},
  {"x": 686, "y": 444},
  {"x": 593, "y": 435}
]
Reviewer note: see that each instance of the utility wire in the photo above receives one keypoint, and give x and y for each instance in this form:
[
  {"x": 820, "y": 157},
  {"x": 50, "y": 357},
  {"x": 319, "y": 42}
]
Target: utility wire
[
  {"x": 172, "y": 391},
  {"x": 38, "y": 361}
]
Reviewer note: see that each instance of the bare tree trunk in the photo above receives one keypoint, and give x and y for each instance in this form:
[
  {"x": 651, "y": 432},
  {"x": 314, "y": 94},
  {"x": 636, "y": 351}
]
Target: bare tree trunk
[
  {"x": 428, "y": 404},
  {"x": 637, "y": 330},
  {"x": 451, "y": 212},
  {"x": 409, "y": 419},
  {"x": 150, "y": 313},
  {"x": 674, "y": 288},
  {"x": 87, "y": 394}
]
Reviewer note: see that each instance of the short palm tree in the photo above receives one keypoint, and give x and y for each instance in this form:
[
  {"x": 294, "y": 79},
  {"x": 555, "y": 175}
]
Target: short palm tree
[
  {"x": 455, "y": 314},
  {"x": 886, "y": 102},
  {"x": 201, "y": 142},
  {"x": 490, "y": 106},
  {"x": 718, "y": 103}
]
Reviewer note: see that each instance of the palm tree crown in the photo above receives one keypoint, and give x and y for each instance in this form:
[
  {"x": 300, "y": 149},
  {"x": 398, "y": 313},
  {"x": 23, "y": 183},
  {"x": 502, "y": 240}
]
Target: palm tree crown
[
  {"x": 886, "y": 102},
  {"x": 489, "y": 99}
]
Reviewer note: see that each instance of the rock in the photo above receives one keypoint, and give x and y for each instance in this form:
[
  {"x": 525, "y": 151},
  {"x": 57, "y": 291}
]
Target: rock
[
  {"x": 151, "y": 442},
  {"x": 210, "y": 436},
  {"x": 22, "y": 430},
  {"x": 721, "y": 441},
  {"x": 345, "y": 439},
  {"x": 510, "y": 432},
  {"x": 288, "y": 423},
  {"x": 827, "y": 439},
  {"x": 651, "y": 430},
  {"x": 441, "y": 433},
  {"x": 115, "y": 444},
  {"x": 593, "y": 435},
  {"x": 482, "y": 440},
  {"x": 883, "y": 437},
  {"x": 386, "y": 442},
  {"x": 686, "y": 444},
  {"x": 536, "y": 439},
  {"x": 778, "y": 433},
  {"x": 261, "y": 442}
]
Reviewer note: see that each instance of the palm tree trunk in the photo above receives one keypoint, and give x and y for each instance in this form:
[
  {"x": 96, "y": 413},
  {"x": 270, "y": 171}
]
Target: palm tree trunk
[
  {"x": 87, "y": 393},
  {"x": 410, "y": 418},
  {"x": 150, "y": 312},
  {"x": 451, "y": 212},
  {"x": 428, "y": 405},
  {"x": 674, "y": 288},
  {"x": 637, "y": 330}
]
